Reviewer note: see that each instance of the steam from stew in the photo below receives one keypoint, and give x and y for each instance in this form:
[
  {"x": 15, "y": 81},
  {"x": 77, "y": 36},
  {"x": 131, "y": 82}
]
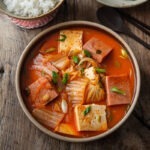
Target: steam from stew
[{"x": 78, "y": 82}]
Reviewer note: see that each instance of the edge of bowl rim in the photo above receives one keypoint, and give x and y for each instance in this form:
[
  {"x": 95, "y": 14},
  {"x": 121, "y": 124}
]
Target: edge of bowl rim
[
  {"x": 32, "y": 18},
  {"x": 67, "y": 24},
  {"x": 122, "y": 6}
]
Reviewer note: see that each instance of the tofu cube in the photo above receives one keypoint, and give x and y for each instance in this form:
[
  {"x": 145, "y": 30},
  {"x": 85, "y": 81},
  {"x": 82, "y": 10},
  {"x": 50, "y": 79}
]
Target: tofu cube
[
  {"x": 90, "y": 73},
  {"x": 97, "y": 48},
  {"x": 122, "y": 83},
  {"x": 73, "y": 43},
  {"x": 93, "y": 120}
]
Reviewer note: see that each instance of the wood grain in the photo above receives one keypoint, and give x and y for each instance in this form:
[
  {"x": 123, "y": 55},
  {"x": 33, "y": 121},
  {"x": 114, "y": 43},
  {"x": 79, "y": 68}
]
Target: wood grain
[{"x": 18, "y": 133}]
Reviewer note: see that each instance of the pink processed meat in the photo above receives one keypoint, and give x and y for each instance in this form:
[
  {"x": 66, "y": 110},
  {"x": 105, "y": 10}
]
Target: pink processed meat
[
  {"x": 118, "y": 90},
  {"x": 97, "y": 48}
]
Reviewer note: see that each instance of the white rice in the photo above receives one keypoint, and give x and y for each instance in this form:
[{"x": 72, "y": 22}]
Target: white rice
[{"x": 30, "y": 8}]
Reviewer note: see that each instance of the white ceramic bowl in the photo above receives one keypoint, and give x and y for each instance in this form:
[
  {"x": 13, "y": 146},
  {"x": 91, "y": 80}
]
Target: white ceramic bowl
[
  {"x": 121, "y": 3},
  {"x": 28, "y": 49}
]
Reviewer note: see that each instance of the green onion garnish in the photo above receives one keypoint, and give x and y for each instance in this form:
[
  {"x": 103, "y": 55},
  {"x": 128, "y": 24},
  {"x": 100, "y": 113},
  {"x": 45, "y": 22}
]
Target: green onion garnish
[
  {"x": 50, "y": 50},
  {"x": 82, "y": 71},
  {"x": 54, "y": 77},
  {"x": 117, "y": 90},
  {"x": 62, "y": 38},
  {"x": 43, "y": 73},
  {"x": 27, "y": 91},
  {"x": 100, "y": 70},
  {"x": 87, "y": 53},
  {"x": 65, "y": 78},
  {"x": 76, "y": 59},
  {"x": 124, "y": 54},
  {"x": 87, "y": 110},
  {"x": 117, "y": 64},
  {"x": 98, "y": 51},
  {"x": 60, "y": 89}
]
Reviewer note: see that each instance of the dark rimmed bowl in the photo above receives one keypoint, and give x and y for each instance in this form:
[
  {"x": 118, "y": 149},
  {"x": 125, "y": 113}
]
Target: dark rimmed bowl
[{"x": 72, "y": 24}]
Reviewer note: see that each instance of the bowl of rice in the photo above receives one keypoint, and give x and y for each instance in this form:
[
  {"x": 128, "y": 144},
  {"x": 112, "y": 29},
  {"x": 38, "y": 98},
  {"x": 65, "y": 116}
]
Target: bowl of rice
[{"x": 30, "y": 13}]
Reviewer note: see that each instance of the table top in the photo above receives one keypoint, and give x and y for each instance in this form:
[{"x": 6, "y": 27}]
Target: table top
[{"x": 18, "y": 133}]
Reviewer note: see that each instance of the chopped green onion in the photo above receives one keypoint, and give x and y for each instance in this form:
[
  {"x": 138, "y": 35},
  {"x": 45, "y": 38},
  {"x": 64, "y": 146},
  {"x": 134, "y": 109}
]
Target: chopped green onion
[
  {"x": 109, "y": 115},
  {"x": 62, "y": 38},
  {"x": 27, "y": 91},
  {"x": 117, "y": 64},
  {"x": 87, "y": 110},
  {"x": 87, "y": 53},
  {"x": 43, "y": 73},
  {"x": 50, "y": 50},
  {"x": 100, "y": 70},
  {"x": 124, "y": 54},
  {"x": 76, "y": 59},
  {"x": 82, "y": 70},
  {"x": 65, "y": 78},
  {"x": 60, "y": 89},
  {"x": 98, "y": 51},
  {"x": 54, "y": 77},
  {"x": 117, "y": 90}
]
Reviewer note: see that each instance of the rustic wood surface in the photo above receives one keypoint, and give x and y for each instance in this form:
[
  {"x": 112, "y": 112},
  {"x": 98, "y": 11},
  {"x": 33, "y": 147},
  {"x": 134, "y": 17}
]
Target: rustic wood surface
[{"x": 18, "y": 133}]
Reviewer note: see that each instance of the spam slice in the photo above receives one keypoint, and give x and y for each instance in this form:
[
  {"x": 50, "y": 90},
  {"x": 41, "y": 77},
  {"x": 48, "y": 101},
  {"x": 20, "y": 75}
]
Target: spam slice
[
  {"x": 118, "y": 90},
  {"x": 97, "y": 48},
  {"x": 91, "y": 117},
  {"x": 41, "y": 92},
  {"x": 70, "y": 42}
]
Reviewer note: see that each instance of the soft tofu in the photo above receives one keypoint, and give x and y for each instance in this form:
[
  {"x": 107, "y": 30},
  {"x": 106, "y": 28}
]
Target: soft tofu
[
  {"x": 41, "y": 92},
  {"x": 95, "y": 120},
  {"x": 73, "y": 42},
  {"x": 122, "y": 83},
  {"x": 97, "y": 48},
  {"x": 90, "y": 73}
]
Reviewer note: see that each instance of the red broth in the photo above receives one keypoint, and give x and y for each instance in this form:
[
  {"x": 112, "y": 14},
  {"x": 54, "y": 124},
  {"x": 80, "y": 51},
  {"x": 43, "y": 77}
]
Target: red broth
[{"x": 113, "y": 63}]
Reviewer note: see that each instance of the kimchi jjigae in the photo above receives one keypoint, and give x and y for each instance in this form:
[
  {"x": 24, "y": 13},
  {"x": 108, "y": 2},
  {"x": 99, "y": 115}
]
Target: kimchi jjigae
[{"x": 78, "y": 82}]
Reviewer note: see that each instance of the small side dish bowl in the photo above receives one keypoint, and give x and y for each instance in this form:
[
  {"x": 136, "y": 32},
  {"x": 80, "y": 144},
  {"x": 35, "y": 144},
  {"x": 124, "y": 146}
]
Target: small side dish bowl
[
  {"x": 31, "y": 22},
  {"x": 121, "y": 3},
  {"x": 58, "y": 27}
]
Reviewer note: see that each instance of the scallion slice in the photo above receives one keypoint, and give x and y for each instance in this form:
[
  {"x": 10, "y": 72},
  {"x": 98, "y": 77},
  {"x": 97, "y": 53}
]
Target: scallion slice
[
  {"x": 87, "y": 53},
  {"x": 75, "y": 59},
  {"x": 98, "y": 51},
  {"x": 65, "y": 78},
  {"x": 100, "y": 70},
  {"x": 62, "y": 37},
  {"x": 124, "y": 54},
  {"x": 117, "y": 90},
  {"x": 54, "y": 77},
  {"x": 87, "y": 110},
  {"x": 82, "y": 71},
  {"x": 52, "y": 49}
]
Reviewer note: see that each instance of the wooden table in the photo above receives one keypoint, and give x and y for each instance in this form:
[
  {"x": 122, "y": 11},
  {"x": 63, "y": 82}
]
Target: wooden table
[{"x": 18, "y": 133}]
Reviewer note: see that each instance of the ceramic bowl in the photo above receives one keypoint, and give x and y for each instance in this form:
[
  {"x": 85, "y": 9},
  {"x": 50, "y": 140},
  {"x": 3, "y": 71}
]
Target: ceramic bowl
[
  {"x": 31, "y": 22},
  {"x": 48, "y": 31},
  {"x": 121, "y": 3}
]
